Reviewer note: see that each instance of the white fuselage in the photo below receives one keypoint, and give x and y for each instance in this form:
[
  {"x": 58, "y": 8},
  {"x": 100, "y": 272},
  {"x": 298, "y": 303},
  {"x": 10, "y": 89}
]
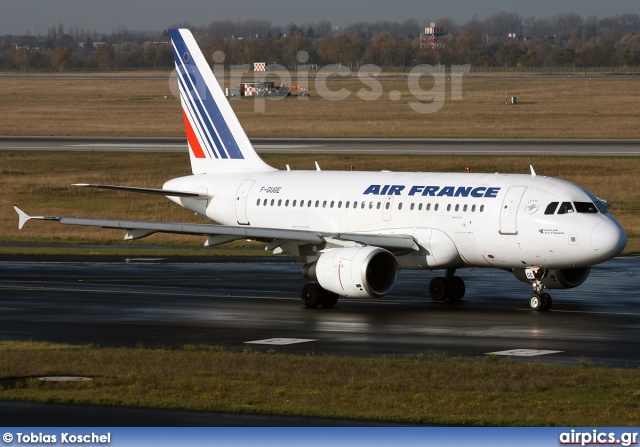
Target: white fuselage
[{"x": 482, "y": 220}]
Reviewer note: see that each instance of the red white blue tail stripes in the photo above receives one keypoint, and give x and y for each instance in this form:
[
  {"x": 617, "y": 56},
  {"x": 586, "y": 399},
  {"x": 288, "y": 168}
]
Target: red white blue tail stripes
[{"x": 212, "y": 128}]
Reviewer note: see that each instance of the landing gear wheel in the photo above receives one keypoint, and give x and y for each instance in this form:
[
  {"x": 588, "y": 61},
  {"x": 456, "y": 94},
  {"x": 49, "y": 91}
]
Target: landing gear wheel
[
  {"x": 456, "y": 288},
  {"x": 536, "y": 302},
  {"x": 438, "y": 289},
  {"x": 312, "y": 295},
  {"x": 329, "y": 299},
  {"x": 546, "y": 301}
]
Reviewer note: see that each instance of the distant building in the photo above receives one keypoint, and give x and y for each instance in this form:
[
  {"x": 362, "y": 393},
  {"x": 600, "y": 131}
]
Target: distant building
[{"x": 432, "y": 37}]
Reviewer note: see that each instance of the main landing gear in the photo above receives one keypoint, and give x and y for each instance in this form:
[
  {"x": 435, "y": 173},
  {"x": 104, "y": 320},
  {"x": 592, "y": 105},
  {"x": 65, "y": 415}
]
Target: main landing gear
[
  {"x": 539, "y": 300},
  {"x": 449, "y": 287},
  {"x": 314, "y": 296}
]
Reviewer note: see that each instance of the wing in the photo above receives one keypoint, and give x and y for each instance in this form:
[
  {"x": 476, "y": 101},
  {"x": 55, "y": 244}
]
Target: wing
[{"x": 219, "y": 234}]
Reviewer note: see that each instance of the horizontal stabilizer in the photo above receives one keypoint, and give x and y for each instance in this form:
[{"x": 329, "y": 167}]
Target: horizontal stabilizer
[{"x": 162, "y": 192}]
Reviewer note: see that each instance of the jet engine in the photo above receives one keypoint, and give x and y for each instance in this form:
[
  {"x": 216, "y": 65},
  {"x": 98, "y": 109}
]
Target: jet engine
[
  {"x": 559, "y": 278},
  {"x": 362, "y": 272}
]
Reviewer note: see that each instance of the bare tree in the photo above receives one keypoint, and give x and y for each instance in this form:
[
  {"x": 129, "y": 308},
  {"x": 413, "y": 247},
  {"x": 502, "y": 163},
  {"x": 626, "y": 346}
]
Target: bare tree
[{"x": 61, "y": 58}]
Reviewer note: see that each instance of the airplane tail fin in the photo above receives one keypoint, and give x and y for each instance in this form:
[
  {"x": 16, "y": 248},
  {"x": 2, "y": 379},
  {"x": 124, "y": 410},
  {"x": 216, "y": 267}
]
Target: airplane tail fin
[{"x": 217, "y": 142}]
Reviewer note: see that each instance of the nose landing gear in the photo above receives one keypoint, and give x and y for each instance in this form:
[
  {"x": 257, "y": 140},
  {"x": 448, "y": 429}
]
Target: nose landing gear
[{"x": 539, "y": 300}]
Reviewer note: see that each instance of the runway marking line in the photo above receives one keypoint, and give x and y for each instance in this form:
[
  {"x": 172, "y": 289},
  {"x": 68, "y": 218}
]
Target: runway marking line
[
  {"x": 280, "y": 341},
  {"x": 524, "y": 352}
]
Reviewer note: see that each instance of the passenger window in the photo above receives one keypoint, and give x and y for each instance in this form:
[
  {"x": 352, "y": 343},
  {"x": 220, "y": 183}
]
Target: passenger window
[
  {"x": 419, "y": 206},
  {"x": 340, "y": 204},
  {"x": 264, "y": 203},
  {"x": 362, "y": 205},
  {"x": 449, "y": 207},
  {"x": 464, "y": 209},
  {"x": 346, "y": 205},
  {"x": 324, "y": 204},
  {"x": 280, "y": 202},
  {"x": 258, "y": 202},
  {"x": 286, "y": 203},
  {"x": 378, "y": 205},
  {"x": 400, "y": 206},
  {"x": 412, "y": 206},
  {"x": 473, "y": 208},
  {"x": 370, "y": 205},
  {"x": 317, "y": 203},
  {"x": 294, "y": 203},
  {"x": 435, "y": 208},
  {"x": 481, "y": 208},
  {"x": 565, "y": 208},
  {"x": 586, "y": 207},
  {"x": 428, "y": 206},
  {"x": 273, "y": 201},
  {"x": 332, "y": 202},
  {"x": 551, "y": 208},
  {"x": 457, "y": 207},
  {"x": 387, "y": 205}
]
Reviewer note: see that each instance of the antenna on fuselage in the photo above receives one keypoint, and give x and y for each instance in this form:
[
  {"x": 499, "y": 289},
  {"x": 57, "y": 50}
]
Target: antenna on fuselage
[
  {"x": 317, "y": 166},
  {"x": 533, "y": 173}
]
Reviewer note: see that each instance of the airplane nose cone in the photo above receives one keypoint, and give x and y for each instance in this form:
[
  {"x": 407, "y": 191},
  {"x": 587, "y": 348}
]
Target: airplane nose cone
[{"x": 608, "y": 238}]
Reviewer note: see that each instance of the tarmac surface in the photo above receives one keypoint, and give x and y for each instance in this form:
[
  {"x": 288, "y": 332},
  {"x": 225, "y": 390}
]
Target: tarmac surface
[
  {"x": 235, "y": 302},
  {"x": 424, "y": 146},
  {"x": 172, "y": 302}
]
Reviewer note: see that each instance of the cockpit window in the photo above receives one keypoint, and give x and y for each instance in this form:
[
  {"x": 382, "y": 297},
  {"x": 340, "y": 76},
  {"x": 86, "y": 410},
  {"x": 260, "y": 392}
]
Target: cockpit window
[
  {"x": 586, "y": 207},
  {"x": 551, "y": 208},
  {"x": 565, "y": 208}
]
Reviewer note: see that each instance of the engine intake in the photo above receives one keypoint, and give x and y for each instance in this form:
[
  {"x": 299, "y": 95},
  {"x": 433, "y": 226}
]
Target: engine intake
[{"x": 363, "y": 272}]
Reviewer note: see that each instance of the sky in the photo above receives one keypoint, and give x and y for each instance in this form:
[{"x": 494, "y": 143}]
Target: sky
[{"x": 105, "y": 16}]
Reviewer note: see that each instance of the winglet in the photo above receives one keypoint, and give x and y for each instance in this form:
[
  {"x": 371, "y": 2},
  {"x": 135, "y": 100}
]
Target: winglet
[{"x": 24, "y": 217}]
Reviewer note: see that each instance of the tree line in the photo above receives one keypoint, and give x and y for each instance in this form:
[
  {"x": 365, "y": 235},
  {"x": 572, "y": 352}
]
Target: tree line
[{"x": 500, "y": 40}]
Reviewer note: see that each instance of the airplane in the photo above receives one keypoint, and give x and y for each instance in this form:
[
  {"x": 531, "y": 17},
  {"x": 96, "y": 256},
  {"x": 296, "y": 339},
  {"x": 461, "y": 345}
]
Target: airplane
[{"x": 354, "y": 231}]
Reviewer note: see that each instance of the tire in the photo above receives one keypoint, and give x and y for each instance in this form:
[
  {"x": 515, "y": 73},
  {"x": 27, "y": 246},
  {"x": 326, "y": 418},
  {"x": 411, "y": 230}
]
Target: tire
[
  {"x": 329, "y": 299},
  {"x": 438, "y": 289},
  {"x": 311, "y": 295},
  {"x": 536, "y": 302},
  {"x": 547, "y": 302},
  {"x": 456, "y": 288}
]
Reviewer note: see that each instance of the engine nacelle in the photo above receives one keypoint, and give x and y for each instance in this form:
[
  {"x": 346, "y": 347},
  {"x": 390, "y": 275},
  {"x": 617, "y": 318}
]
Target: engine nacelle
[
  {"x": 559, "y": 278},
  {"x": 362, "y": 272}
]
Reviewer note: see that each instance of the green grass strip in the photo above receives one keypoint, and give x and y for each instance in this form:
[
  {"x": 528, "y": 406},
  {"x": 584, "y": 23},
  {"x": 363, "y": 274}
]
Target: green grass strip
[{"x": 424, "y": 388}]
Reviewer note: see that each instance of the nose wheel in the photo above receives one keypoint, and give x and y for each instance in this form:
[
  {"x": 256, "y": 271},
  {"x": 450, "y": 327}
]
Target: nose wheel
[{"x": 540, "y": 301}]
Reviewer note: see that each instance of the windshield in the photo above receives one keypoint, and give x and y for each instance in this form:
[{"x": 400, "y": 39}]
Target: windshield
[{"x": 586, "y": 207}]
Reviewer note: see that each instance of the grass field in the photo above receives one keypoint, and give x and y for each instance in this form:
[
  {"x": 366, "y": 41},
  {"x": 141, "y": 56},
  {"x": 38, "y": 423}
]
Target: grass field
[
  {"x": 136, "y": 105},
  {"x": 40, "y": 183},
  {"x": 423, "y": 388}
]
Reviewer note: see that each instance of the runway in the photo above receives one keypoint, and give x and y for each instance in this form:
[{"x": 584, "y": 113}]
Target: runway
[
  {"x": 557, "y": 147},
  {"x": 235, "y": 302}
]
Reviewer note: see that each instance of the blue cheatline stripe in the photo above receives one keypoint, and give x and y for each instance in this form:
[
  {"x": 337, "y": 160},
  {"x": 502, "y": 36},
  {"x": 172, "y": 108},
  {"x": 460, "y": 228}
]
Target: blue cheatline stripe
[
  {"x": 213, "y": 119},
  {"x": 195, "y": 120},
  {"x": 189, "y": 93}
]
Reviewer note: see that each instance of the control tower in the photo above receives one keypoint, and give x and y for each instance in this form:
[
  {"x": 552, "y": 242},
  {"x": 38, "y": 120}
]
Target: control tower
[{"x": 431, "y": 38}]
